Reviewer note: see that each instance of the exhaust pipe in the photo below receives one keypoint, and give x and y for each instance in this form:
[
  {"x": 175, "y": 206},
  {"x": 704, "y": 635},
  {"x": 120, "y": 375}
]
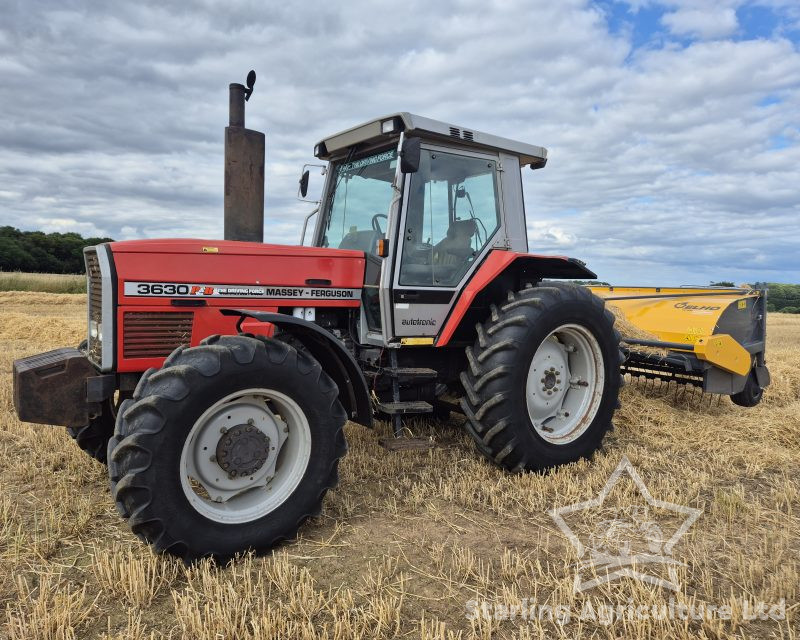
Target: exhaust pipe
[{"x": 244, "y": 170}]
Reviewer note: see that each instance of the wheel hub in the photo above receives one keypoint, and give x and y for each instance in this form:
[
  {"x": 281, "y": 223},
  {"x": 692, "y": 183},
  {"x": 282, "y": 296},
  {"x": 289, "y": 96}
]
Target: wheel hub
[
  {"x": 242, "y": 450},
  {"x": 245, "y": 455},
  {"x": 565, "y": 383},
  {"x": 550, "y": 379}
]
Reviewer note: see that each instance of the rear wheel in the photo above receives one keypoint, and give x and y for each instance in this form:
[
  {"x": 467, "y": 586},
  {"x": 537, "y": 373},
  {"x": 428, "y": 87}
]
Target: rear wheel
[
  {"x": 231, "y": 446},
  {"x": 543, "y": 378}
]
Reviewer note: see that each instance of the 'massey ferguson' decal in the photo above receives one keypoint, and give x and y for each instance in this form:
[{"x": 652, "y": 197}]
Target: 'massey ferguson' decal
[{"x": 179, "y": 290}]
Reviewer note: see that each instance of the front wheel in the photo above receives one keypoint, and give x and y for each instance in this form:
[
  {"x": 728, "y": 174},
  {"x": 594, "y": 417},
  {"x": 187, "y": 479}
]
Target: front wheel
[
  {"x": 231, "y": 446},
  {"x": 543, "y": 378},
  {"x": 93, "y": 437}
]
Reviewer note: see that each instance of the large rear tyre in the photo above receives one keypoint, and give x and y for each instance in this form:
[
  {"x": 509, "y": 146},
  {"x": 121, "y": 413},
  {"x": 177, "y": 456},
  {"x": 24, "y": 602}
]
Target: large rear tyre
[
  {"x": 543, "y": 378},
  {"x": 229, "y": 447}
]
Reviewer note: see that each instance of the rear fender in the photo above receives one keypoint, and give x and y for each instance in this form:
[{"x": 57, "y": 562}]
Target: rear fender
[
  {"x": 505, "y": 270},
  {"x": 332, "y": 355}
]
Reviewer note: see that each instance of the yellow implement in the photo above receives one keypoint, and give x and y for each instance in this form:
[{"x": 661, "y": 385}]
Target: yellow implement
[{"x": 711, "y": 337}]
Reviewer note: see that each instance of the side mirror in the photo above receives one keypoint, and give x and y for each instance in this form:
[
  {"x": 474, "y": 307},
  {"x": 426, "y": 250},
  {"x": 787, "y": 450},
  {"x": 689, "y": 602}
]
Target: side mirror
[
  {"x": 409, "y": 155},
  {"x": 304, "y": 184}
]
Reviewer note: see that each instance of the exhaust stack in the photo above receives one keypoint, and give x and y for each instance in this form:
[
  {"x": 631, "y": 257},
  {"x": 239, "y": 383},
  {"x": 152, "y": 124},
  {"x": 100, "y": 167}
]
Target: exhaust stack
[{"x": 244, "y": 170}]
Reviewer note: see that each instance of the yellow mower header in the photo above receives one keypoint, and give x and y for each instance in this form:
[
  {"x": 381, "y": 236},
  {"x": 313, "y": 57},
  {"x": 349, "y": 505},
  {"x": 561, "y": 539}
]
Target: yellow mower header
[{"x": 711, "y": 337}]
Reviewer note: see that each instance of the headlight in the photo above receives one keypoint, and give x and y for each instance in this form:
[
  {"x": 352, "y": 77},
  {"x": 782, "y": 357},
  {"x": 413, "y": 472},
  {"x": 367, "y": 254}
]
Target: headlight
[{"x": 95, "y": 331}]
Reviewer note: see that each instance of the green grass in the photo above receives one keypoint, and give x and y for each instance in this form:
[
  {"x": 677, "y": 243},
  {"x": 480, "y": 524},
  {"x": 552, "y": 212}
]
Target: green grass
[{"x": 43, "y": 282}]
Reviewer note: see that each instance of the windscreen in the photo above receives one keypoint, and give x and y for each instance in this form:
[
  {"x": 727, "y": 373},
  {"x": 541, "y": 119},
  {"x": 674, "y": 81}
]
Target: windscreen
[{"x": 358, "y": 204}]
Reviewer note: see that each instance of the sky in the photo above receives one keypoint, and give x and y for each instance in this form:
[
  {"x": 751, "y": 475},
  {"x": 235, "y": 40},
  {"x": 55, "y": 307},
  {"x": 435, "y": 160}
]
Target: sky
[{"x": 673, "y": 128}]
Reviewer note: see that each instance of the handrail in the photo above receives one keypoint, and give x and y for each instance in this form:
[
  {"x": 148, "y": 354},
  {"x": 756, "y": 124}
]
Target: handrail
[{"x": 305, "y": 224}]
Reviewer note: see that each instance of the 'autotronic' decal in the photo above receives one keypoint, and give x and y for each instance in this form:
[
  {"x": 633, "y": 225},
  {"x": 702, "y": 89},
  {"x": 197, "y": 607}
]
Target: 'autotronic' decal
[{"x": 182, "y": 290}]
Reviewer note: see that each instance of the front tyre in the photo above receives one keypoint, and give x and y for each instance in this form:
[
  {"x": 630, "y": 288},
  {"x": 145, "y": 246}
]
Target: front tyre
[
  {"x": 230, "y": 447},
  {"x": 543, "y": 378},
  {"x": 93, "y": 437}
]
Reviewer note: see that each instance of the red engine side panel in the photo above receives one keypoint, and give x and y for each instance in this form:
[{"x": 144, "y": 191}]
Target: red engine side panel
[{"x": 208, "y": 266}]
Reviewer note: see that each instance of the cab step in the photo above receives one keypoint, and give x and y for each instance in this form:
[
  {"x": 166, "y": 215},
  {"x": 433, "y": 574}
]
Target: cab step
[
  {"x": 409, "y": 373},
  {"x": 402, "y": 408},
  {"x": 403, "y": 373}
]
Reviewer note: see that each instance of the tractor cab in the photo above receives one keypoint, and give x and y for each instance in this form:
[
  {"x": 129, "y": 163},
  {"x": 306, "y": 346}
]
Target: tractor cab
[{"x": 426, "y": 201}]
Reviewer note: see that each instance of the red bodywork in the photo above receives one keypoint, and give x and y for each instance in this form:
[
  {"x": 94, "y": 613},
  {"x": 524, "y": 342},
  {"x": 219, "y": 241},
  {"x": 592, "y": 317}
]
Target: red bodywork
[
  {"x": 219, "y": 262},
  {"x": 228, "y": 263},
  {"x": 496, "y": 263}
]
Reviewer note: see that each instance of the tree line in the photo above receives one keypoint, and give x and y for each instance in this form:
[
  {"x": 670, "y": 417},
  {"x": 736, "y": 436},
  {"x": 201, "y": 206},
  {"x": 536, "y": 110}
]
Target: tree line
[
  {"x": 35, "y": 251},
  {"x": 782, "y": 297}
]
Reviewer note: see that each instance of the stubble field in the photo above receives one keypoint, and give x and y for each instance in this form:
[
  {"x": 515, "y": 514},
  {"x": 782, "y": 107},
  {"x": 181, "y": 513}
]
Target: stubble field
[{"x": 418, "y": 543}]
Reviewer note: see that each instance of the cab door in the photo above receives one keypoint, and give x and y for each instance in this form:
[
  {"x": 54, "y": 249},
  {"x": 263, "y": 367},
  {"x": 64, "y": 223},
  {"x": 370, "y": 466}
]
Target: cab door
[{"x": 450, "y": 219}]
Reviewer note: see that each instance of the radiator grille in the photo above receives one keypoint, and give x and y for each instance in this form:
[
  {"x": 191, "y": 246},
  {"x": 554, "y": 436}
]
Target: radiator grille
[
  {"x": 94, "y": 289},
  {"x": 154, "y": 334}
]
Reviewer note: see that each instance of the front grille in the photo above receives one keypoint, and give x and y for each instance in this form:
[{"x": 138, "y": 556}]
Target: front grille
[
  {"x": 94, "y": 290},
  {"x": 154, "y": 334}
]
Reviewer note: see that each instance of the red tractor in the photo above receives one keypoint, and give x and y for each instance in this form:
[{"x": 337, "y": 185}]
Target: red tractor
[{"x": 217, "y": 376}]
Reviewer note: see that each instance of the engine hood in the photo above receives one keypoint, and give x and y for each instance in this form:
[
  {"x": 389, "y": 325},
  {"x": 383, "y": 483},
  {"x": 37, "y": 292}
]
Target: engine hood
[
  {"x": 230, "y": 264},
  {"x": 226, "y": 247}
]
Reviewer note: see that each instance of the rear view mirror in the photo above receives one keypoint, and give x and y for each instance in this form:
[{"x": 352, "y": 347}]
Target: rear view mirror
[
  {"x": 304, "y": 184},
  {"x": 409, "y": 155}
]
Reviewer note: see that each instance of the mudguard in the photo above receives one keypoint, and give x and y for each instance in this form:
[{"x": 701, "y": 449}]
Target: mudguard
[
  {"x": 329, "y": 351},
  {"x": 524, "y": 266}
]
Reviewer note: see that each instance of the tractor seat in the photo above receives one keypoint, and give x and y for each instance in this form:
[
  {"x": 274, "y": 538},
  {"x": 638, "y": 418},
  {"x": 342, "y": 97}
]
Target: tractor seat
[{"x": 456, "y": 246}]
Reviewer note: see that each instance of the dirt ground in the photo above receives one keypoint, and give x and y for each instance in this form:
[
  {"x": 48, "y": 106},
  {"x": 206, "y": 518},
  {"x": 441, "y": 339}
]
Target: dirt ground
[{"x": 431, "y": 544}]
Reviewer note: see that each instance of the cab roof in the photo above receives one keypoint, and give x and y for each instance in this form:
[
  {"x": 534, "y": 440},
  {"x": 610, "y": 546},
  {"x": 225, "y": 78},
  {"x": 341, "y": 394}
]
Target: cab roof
[{"x": 391, "y": 125}]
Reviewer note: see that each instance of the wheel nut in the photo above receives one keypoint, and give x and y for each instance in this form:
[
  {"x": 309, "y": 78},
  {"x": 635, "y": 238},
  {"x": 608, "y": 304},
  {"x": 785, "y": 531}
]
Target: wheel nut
[
  {"x": 223, "y": 430},
  {"x": 213, "y": 458},
  {"x": 250, "y": 421}
]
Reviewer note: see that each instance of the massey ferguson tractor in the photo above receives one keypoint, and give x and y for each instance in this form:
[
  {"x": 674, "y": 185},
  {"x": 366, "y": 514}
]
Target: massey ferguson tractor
[{"x": 217, "y": 376}]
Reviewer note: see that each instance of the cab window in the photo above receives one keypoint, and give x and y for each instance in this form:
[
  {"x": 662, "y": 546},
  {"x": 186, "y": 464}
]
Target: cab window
[{"x": 453, "y": 212}]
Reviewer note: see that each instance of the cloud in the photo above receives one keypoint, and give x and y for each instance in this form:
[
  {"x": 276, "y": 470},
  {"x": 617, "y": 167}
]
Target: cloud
[
  {"x": 672, "y": 161},
  {"x": 703, "y": 23}
]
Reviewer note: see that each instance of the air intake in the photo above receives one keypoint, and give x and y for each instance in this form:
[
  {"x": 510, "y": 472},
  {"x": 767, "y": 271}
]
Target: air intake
[{"x": 155, "y": 334}]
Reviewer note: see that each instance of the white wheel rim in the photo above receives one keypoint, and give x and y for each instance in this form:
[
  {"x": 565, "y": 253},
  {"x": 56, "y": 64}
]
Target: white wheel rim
[
  {"x": 565, "y": 384},
  {"x": 235, "y": 499}
]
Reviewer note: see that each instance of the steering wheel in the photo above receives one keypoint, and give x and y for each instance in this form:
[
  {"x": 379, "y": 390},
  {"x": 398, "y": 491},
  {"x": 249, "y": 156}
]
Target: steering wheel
[{"x": 375, "y": 224}]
